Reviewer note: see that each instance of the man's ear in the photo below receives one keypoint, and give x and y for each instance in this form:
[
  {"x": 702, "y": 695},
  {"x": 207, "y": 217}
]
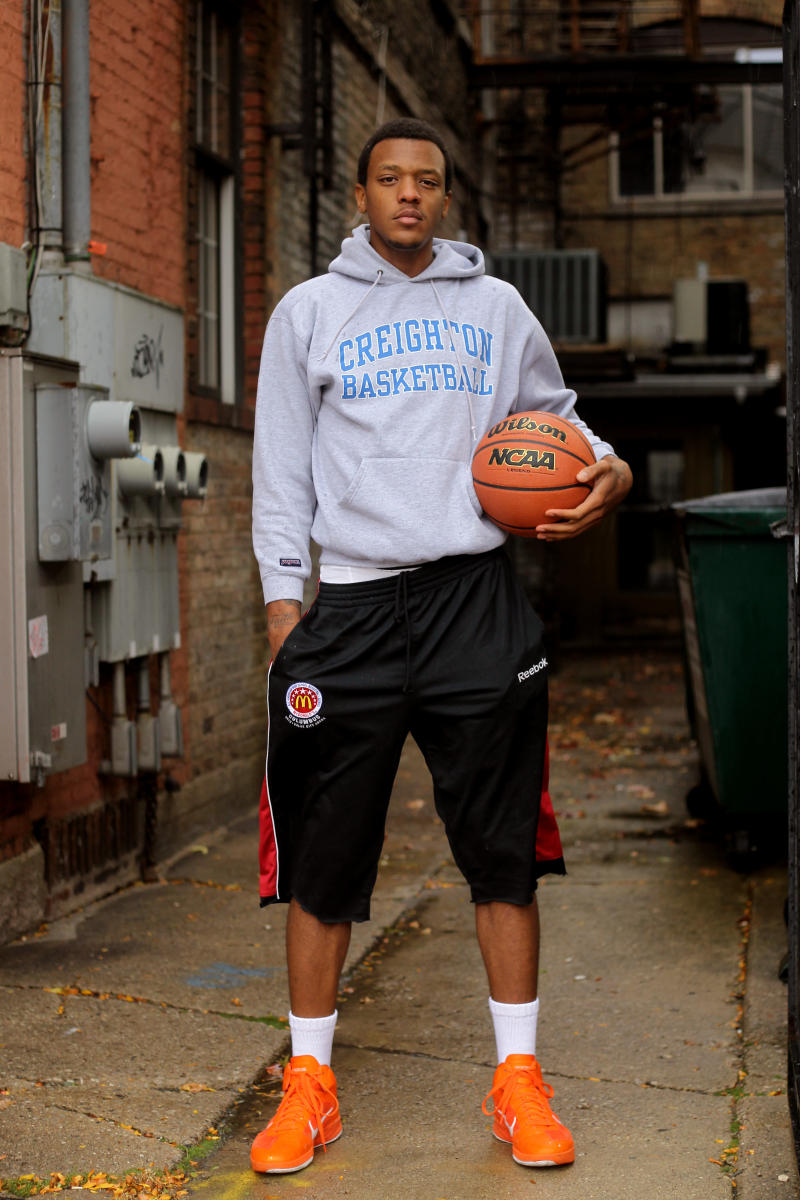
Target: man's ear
[
  {"x": 361, "y": 197},
  {"x": 446, "y": 204}
]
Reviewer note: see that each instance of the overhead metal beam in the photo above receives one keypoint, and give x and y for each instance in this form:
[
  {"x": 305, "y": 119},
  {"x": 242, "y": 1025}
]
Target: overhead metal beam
[{"x": 628, "y": 72}]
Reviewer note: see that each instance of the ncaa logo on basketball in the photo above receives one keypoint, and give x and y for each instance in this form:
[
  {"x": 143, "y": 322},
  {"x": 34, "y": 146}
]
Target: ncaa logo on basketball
[{"x": 304, "y": 701}]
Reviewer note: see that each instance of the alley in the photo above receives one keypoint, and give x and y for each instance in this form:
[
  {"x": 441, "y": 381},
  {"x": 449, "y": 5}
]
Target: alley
[{"x": 155, "y": 1021}]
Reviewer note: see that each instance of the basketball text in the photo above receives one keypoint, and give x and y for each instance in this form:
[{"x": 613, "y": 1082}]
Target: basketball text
[
  {"x": 515, "y": 456},
  {"x": 517, "y": 423}
]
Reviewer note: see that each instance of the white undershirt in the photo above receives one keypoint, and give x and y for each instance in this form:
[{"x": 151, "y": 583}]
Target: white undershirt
[{"x": 336, "y": 573}]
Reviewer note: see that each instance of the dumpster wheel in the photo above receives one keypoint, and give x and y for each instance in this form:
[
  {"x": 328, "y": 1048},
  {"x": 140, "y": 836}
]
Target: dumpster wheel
[{"x": 701, "y": 803}]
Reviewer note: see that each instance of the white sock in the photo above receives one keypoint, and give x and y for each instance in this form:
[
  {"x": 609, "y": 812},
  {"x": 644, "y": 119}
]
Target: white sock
[
  {"x": 514, "y": 1027},
  {"x": 313, "y": 1035}
]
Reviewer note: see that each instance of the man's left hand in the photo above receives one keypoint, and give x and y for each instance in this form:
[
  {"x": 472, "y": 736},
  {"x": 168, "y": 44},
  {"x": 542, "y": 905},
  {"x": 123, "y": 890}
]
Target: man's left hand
[{"x": 610, "y": 480}]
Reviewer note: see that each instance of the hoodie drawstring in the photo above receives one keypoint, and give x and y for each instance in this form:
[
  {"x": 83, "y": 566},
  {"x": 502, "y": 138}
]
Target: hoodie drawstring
[
  {"x": 461, "y": 371},
  {"x": 400, "y": 615},
  {"x": 350, "y": 315}
]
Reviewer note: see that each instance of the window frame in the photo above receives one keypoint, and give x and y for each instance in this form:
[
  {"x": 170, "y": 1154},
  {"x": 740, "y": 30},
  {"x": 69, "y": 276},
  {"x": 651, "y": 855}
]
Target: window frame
[
  {"x": 668, "y": 200},
  {"x": 223, "y": 173}
]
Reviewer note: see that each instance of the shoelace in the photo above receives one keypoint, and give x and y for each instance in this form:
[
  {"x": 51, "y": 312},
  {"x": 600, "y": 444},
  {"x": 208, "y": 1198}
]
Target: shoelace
[
  {"x": 303, "y": 1099},
  {"x": 525, "y": 1089}
]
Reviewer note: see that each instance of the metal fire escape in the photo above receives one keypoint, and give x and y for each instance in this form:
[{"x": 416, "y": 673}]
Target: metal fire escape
[{"x": 556, "y": 63}]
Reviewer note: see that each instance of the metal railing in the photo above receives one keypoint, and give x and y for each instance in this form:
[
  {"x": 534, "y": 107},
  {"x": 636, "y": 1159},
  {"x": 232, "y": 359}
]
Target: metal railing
[{"x": 507, "y": 30}]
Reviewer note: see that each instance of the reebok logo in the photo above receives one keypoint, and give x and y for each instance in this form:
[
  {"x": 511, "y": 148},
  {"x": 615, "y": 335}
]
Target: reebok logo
[{"x": 534, "y": 670}]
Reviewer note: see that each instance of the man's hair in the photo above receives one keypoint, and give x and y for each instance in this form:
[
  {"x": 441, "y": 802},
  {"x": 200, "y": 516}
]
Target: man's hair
[{"x": 413, "y": 130}]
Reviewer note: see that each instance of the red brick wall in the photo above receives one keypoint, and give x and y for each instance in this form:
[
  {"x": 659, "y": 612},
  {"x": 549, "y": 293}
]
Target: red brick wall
[
  {"x": 13, "y": 166},
  {"x": 137, "y": 84}
]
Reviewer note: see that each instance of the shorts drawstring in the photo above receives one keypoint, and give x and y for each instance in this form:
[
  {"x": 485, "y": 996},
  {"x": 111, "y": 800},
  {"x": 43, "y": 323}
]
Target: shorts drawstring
[{"x": 400, "y": 614}]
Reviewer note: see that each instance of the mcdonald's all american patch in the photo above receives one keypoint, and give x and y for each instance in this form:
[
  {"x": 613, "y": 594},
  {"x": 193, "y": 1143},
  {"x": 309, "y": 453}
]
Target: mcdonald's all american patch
[{"x": 303, "y": 702}]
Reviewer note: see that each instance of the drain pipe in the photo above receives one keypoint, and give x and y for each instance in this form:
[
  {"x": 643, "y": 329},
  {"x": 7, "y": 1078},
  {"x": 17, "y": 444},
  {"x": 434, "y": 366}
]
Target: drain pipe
[
  {"x": 149, "y": 741},
  {"x": 46, "y": 100},
  {"x": 76, "y": 136}
]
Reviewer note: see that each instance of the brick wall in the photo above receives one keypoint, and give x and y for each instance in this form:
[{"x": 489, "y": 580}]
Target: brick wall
[
  {"x": 137, "y": 86},
  {"x": 425, "y": 77},
  {"x": 13, "y": 166}
]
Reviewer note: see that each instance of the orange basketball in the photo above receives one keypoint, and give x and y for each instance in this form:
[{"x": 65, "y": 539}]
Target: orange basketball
[{"x": 526, "y": 464}]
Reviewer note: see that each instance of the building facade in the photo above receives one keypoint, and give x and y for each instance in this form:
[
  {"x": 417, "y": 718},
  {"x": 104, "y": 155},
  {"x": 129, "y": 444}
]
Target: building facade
[{"x": 170, "y": 170}]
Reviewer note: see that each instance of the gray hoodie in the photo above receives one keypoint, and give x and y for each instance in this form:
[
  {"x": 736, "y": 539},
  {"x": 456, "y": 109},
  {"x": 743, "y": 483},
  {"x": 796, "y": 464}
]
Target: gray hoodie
[{"x": 373, "y": 392}]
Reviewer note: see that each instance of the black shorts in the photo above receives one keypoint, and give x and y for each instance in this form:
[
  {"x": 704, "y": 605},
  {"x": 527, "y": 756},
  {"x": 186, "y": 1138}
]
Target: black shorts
[{"x": 451, "y": 653}]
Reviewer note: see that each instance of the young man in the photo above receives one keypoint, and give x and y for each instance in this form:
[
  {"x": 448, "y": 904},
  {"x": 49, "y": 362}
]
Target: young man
[{"x": 377, "y": 380}]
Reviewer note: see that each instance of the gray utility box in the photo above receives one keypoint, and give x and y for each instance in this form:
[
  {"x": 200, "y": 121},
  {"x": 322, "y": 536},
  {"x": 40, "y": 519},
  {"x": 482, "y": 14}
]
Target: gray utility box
[
  {"x": 42, "y": 700},
  {"x": 78, "y": 431}
]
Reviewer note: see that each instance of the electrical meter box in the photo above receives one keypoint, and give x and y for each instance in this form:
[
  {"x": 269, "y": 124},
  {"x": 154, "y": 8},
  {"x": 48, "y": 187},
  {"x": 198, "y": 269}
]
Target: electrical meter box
[
  {"x": 42, "y": 700},
  {"x": 78, "y": 431}
]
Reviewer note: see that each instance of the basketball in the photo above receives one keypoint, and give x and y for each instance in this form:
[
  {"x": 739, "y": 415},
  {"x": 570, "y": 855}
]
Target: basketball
[{"x": 526, "y": 464}]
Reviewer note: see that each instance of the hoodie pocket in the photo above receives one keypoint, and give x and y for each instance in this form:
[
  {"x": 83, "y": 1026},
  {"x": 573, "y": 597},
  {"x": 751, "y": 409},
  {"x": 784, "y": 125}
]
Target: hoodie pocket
[{"x": 406, "y": 504}]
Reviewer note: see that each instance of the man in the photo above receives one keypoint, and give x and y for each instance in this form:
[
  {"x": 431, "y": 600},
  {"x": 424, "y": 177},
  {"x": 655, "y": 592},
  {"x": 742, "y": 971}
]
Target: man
[{"x": 377, "y": 380}]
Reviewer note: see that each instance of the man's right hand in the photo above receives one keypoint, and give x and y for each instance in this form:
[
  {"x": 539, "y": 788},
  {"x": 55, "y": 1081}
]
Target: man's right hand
[{"x": 282, "y": 616}]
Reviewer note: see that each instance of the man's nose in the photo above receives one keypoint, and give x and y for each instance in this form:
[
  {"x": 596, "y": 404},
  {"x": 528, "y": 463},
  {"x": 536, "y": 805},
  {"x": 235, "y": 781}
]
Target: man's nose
[{"x": 409, "y": 190}]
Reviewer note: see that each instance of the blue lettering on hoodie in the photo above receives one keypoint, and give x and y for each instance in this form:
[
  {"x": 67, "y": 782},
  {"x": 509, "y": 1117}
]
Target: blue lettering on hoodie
[{"x": 413, "y": 336}]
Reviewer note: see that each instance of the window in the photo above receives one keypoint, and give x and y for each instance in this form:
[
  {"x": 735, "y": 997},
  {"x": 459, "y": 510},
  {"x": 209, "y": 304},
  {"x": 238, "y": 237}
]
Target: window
[
  {"x": 730, "y": 144},
  {"x": 644, "y": 523},
  {"x": 215, "y": 205}
]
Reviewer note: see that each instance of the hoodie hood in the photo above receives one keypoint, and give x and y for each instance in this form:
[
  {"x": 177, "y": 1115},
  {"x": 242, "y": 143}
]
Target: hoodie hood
[{"x": 451, "y": 260}]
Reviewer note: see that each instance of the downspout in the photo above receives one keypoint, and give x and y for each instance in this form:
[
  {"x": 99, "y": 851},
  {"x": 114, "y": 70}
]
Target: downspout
[
  {"x": 45, "y": 102},
  {"x": 76, "y": 137}
]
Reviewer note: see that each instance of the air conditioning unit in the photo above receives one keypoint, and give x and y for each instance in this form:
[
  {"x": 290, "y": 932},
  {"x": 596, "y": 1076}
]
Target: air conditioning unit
[
  {"x": 711, "y": 316},
  {"x": 566, "y": 289}
]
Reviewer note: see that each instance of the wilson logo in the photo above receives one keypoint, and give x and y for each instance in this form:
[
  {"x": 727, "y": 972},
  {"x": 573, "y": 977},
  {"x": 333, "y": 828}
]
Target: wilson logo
[
  {"x": 511, "y": 423},
  {"x": 303, "y": 701}
]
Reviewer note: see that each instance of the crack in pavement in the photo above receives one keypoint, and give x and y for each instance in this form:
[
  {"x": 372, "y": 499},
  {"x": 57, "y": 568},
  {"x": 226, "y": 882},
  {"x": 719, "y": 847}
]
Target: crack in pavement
[
  {"x": 489, "y": 1066},
  {"x": 118, "y": 1125},
  {"x": 269, "y": 1019}
]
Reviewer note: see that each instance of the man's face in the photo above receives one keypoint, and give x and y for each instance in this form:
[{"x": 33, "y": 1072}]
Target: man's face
[{"x": 404, "y": 200}]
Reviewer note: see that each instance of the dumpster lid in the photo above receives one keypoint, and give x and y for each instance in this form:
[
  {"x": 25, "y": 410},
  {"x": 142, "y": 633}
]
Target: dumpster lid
[{"x": 757, "y": 499}]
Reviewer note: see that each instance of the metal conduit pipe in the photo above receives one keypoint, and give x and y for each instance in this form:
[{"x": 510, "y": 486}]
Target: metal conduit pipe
[
  {"x": 76, "y": 138},
  {"x": 44, "y": 79}
]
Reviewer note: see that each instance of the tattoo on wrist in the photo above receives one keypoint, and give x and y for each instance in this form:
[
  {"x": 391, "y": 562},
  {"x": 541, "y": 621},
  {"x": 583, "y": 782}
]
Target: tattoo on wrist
[{"x": 283, "y": 619}]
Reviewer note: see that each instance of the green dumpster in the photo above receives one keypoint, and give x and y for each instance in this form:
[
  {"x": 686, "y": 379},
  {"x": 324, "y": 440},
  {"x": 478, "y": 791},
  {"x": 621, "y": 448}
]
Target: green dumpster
[{"x": 733, "y": 592}]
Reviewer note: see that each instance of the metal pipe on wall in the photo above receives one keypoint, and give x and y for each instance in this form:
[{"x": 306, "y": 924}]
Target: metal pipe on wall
[
  {"x": 45, "y": 83},
  {"x": 76, "y": 134},
  {"x": 791, "y": 68}
]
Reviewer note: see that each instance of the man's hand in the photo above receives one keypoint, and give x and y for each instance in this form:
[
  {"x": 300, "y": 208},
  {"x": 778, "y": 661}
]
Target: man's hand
[
  {"x": 610, "y": 479},
  {"x": 282, "y": 616}
]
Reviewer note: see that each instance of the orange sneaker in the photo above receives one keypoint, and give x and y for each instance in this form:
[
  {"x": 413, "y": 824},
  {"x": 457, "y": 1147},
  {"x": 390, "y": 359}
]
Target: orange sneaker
[
  {"x": 522, "y": 1114},
  {"x": 307, "y": 1117}
]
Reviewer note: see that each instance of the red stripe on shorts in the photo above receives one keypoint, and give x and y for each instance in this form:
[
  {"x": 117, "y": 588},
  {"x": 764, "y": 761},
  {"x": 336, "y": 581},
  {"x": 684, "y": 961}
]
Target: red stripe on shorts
[
  {"x": 548, "y": 839},
  {"x": 267, "y": 848}
]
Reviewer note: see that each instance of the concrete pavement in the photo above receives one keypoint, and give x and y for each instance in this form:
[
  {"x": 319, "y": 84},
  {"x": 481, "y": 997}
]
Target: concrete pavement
[{"x": 137, "y": 1031}]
